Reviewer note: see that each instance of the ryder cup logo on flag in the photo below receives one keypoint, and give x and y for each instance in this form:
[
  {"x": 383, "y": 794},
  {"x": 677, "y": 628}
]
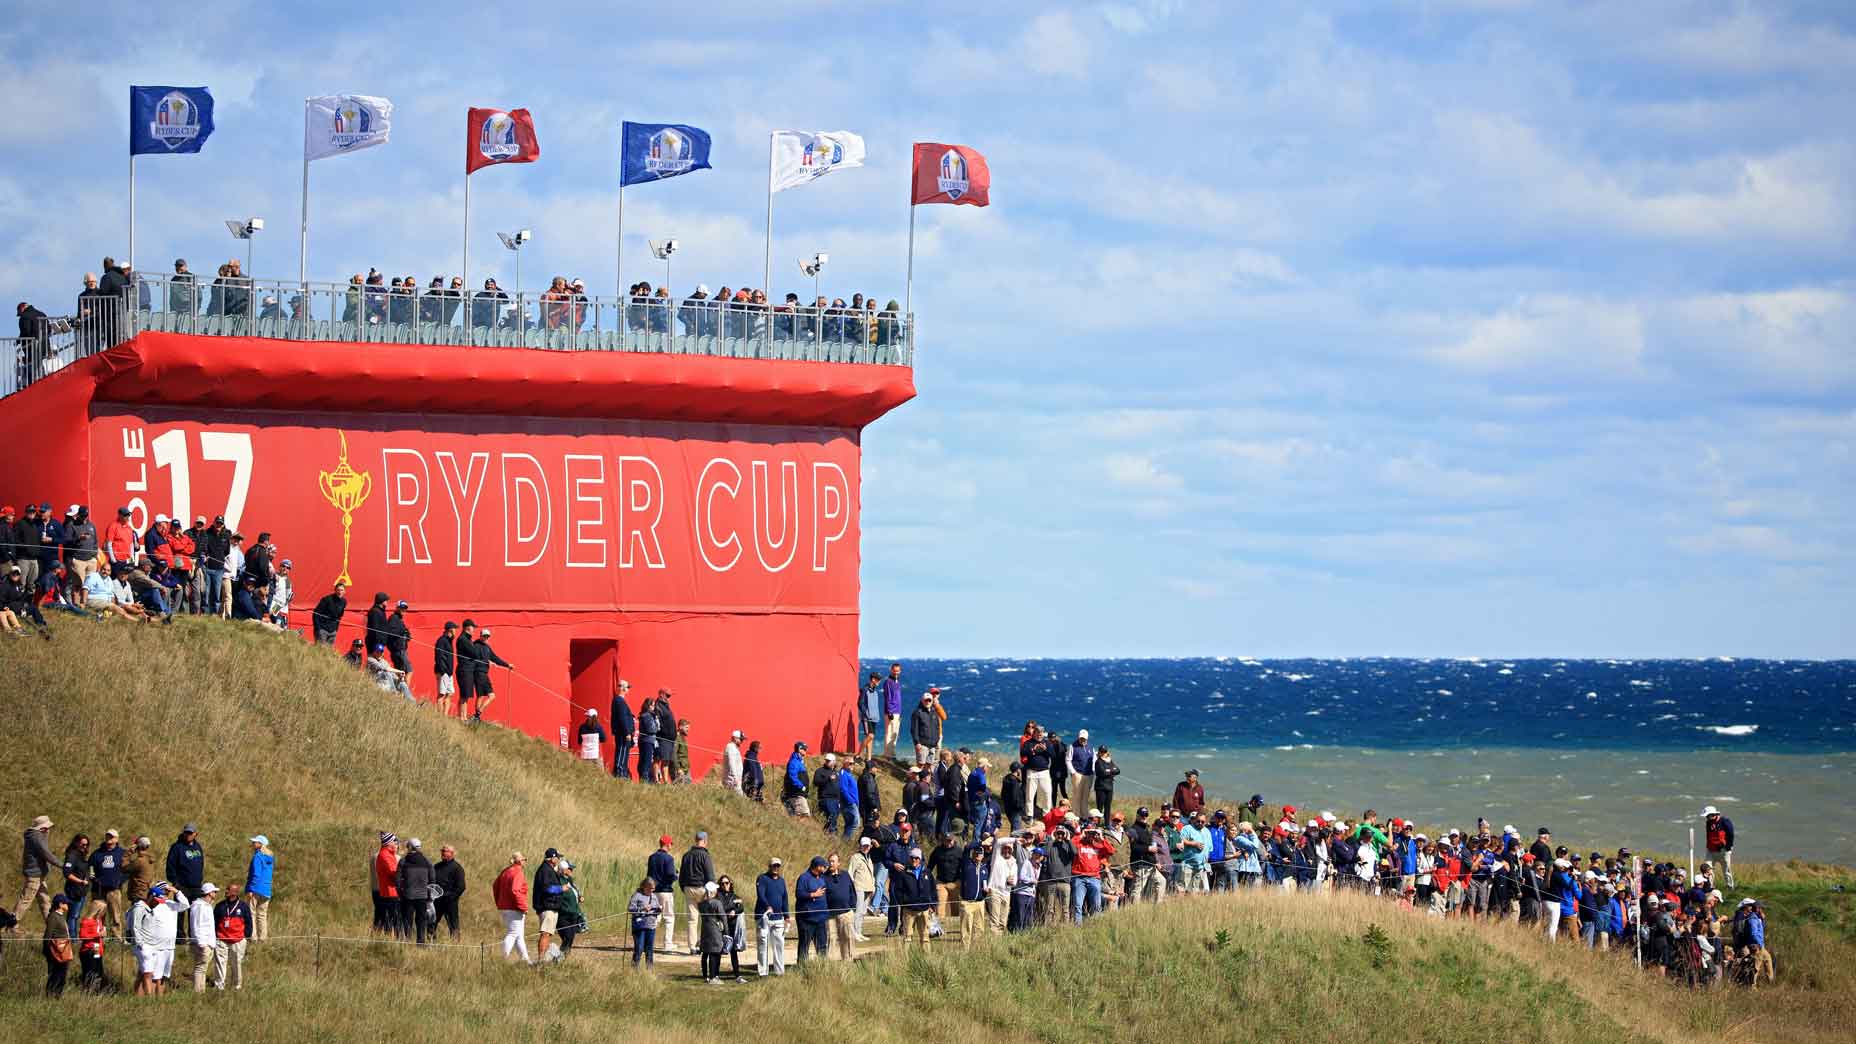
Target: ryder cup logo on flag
[
  {"x": 800, "y": 156},
  {"x": 498, "y": 140},
  {"x": 495, "y": 136},
  {"x": 950, "y": 174},
  {"x": 169, "y": 119},
  {"x": 654, "y": 151},
  {"x": 341, "y": 123}
]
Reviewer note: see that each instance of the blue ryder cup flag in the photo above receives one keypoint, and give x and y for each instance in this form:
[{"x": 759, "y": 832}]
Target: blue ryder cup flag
[
  {"x": 655, "y": 151},
  {"x": 169, "y": 119}
]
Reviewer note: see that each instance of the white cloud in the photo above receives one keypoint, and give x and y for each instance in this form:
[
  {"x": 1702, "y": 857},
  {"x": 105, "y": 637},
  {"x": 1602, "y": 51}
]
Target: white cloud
[
  {"x": 1053, "y": 44},
  {"x": 1757, "y": 541},
  {"x": 1551, "y": 331},
  {"x": 1138, "y": 471}
]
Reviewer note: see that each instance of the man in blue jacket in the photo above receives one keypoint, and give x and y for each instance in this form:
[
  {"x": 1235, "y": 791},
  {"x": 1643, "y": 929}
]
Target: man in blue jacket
[
  {"x": 812, "y": 908},
  {"x": 850, "y": 801},
  {"x": 770, "y": 911},
  {"x": 794, "y": 792},
  {"x": 892, "y": 709},
  {"x": 661, "y": 868},
  {"x": 840, "y": 903}
]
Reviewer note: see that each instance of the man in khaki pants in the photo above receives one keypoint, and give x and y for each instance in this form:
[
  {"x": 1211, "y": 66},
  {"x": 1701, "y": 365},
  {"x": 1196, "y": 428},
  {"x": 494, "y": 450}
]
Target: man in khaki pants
[
  {"x": 35, "y": 864},
  {"x": 694, "y": 874},
  {"x": 205, "y": 942}
]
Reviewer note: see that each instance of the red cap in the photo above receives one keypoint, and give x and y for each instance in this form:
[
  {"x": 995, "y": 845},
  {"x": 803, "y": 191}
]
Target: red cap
[
  {"x": 8, "y": 510},
  {"x": 1527, "y": 857},
  {"x": 1288, "y": 810},
  {"x": 664, "y": 840},
  {"x": 1397, "y": 822}
]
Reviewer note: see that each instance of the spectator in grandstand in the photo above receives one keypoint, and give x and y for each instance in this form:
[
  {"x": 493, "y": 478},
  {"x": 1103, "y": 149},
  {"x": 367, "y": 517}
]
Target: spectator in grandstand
[
  {"x": 697, "y": 313},
  {"x": 486, "y": 306},
  {"x": 326, "y": 618},
  {"x": 183, "y": 290}
]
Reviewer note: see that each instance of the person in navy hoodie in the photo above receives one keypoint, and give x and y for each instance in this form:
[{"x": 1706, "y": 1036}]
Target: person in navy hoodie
[
  {"x": 811, "y": 907},
  {"x": 770, "y": 909},
  {"x": 892, "y": 709}
]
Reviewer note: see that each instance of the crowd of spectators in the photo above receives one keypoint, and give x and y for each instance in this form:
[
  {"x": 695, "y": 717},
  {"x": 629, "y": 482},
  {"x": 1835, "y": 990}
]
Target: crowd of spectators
[{"x": 53, "y": 562}]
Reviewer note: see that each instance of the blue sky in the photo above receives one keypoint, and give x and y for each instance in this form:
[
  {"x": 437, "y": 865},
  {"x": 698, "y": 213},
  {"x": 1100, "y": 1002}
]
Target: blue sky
[{"x": 1435, "y": 328}]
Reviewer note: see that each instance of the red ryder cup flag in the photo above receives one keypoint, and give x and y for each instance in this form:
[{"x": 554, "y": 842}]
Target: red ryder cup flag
[
  {"x": 499, "y": 136},
  {"x": 801, "y": 157},
  {"x": 950, "y": 174},
  {"x": 340, "y": 123}
]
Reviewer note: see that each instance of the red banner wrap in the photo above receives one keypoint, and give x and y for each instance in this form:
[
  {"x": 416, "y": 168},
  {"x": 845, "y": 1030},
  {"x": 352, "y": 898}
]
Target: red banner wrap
[{"x": 476, "y": 513}]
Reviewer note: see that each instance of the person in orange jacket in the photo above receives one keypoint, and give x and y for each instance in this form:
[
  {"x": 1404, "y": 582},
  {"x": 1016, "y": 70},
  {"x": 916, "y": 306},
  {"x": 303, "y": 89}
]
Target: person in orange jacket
[
  {"x": 511, "y": 894},
  {"x": 386, "y": 886},
  {"x": 120, "y": 542}
]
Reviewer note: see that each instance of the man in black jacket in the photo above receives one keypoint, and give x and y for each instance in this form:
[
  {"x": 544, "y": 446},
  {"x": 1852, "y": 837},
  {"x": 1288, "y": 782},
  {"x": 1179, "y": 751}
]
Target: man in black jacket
[
  {"x": 624, "y": 727},
  {"x": 1143, "y": 871},
  {"x": 327, "y": 617},
  {"x": 448, "y": 875},
  {"x": 1012, "y": 795},
  {"x": 694, "y": 873},
  {"x": 444, "y": 666},
  {"x": 376, "y": 632},
  {"x": 825, "y": 791},
  {"x": 545, "y": 896},
  {"x": 214, "y": 550},
  {"x": 485, "y": 656},
  {"x": 258, "y": 563},
  {"x": 399, "y": 636},
  {"x": 467, "y": 667},
  {"x": 415, "y": 888}
]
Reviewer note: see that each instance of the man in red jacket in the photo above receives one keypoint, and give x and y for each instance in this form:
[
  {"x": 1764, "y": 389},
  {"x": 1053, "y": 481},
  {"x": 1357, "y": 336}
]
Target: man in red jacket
[
  {"x": 1188, "y": 796},
  {"x": 1092, "y": 852},
  {"x": 511, "y": 894}
]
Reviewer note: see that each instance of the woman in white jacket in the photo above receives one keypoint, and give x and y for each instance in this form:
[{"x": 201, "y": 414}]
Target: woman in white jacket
[
  {"x": 1000, "y": 881},
  {"x": 731, "y": 762}
]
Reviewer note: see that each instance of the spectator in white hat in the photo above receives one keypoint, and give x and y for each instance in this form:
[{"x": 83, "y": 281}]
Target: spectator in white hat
[
  {"x": 202, "y": 936},
  {"x": 732, "y": 763}
]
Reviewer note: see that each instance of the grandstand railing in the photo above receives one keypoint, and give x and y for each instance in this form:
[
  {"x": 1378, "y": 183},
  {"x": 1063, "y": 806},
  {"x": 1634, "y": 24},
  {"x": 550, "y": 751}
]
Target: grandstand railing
[{"x": 484, "y": 319}]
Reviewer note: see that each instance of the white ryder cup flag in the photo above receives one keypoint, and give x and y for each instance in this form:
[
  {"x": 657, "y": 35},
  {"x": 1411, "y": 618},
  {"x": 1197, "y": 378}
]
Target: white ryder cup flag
[
  {"x": 800, "y": 157},
  {"x": 341, "y": 123}
]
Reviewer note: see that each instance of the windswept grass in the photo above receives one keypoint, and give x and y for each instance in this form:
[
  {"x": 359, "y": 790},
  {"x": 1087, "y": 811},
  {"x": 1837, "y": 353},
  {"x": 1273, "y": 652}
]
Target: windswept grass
[{"x": 142, "y": 728}]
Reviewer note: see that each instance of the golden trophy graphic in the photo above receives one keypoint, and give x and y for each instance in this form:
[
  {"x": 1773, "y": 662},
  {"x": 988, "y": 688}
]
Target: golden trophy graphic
[{"x": 345, "y": 489}]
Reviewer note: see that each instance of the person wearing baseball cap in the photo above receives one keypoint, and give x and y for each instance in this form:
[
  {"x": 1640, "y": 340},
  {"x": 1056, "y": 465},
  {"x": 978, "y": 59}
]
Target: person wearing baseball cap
[
  {"x": 202, "y": 937},
  {"x": 770, "y": 915},
  {"x": 661, "y": 868},
  {"x": 258, "y": 873}
]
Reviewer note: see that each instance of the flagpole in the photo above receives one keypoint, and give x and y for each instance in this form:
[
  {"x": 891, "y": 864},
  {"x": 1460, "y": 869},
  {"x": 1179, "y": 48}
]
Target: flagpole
[
  {"x": 302, "y": 250},
  {"x": 618, "y": 268},
  {"x": 132, "y": 267},
  {"x": 465, "y": 272},
  {"x": 767, "y": 252},
  {"x": 908, "y": 285}
]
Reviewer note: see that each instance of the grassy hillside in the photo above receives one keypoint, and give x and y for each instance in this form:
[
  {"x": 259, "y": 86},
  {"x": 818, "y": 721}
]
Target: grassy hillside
[{"x": 143, "y": 728}]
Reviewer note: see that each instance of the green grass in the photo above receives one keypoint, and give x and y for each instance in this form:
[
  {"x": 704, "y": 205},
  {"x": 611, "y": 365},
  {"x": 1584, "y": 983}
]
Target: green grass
[{"x": 142, "y": 728}]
